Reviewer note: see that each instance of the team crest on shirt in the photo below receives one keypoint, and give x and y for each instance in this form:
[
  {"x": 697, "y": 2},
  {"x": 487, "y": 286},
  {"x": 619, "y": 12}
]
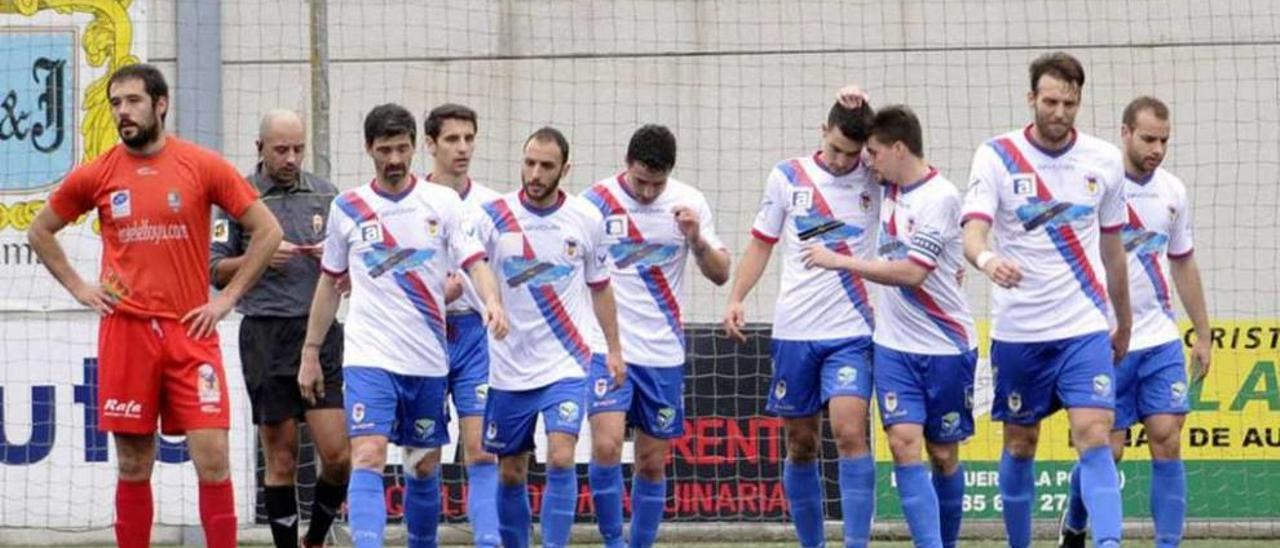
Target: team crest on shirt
[
  {"x": 571, "y": 247},
  {"x": 1173, "y": 213},
  {"x": 846, "y": 376},
  {"x": 423, "y": 428},
  {"x": 615, "y": 226},
  {"x": 864, "y": 201},
  {"x": 801, "y": 199},
  {"x": 600, "y": 388},
  {"x": 492, "y": 431},
  {"x": 1024, "y": 184},
  {"x": 317, "y": 224},
  {"x": 221, "y": 231},
  {"x": 175, "y": 200},
  {"x": 370, "y": 232},
  {"x": 433, "y": 227},
  {"x": 666, "y": 416},
  {"x": 207, "y": 384},
  {"x": 891, "y": 402},
  {"x": 1091, "y": 183},
  {"x": 121, "y": 205},
  {"x": 568, "y": 411},
  {"x": 1101, "y": 385},
  {"x": 780, "y": 389},
  {"x": 1015, "y": 402}
]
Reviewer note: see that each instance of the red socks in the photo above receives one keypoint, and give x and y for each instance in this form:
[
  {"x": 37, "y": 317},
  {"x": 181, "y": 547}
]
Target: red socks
[
  {"x": 134, "y": 512},
  {"x": 218, "y": 514}
]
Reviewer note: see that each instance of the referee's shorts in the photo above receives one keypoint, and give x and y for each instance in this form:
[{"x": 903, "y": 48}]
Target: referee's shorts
[{"x": 270, "y": 353}]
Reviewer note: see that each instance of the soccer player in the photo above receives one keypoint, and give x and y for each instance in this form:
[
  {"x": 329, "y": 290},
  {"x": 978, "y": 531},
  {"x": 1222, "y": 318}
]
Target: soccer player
[
  {"x": 926, "y": 346},
  {"x": 274, "y": 325},
  {"x": 399, "y": 239},
  {"x": 652, "y": 223},
  {"x": 1151, "y": 382},
  {"x": 1055, "y": 198},
  {"x": 555, "y": 274},
  {"x": 450, "y": 132},
  {"x": 822, "y": 322},
  {"x": 157, "y": 338}
]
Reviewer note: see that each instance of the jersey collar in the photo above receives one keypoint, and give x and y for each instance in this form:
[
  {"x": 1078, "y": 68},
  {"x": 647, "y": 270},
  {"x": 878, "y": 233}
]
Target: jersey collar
[
  {"x": 542, "y": 211},
  {"x": 1052, "y": 153}
]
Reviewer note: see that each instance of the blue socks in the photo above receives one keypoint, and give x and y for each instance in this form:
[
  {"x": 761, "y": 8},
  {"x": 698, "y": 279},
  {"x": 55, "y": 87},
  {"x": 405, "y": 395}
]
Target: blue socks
[
  {"x": 1017, "y": 489},
  {"x": 1077, "y": 514},
  {"x": 559, "y": 503},
  {"x": 422, "y": 509},
  {"x": 648, "y": 500},
  {"x": 1100, "y": 489},
  {"x": 515, "y": 516},
  {"x": 919, "y": 504},
  {"x": 857, "y": 498},
  {"x": 482, "y": 503},
  {"x": 1169, "y": 503},
  {"x": 950, "y": 490},
  {"x": 606, "y": 493},
  {"x": 803, "y": 487},
  {"x": 367, "y": 512}
]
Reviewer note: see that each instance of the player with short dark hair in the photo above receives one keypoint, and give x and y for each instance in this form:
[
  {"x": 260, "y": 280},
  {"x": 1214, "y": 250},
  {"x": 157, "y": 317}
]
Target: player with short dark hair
[
  {"x": 157, "y": 339},
  {"x": 823, "y": 320},
  {"x": 926, "y": 345},
  {"x": 1055, "y": 198},
  {"x": 652, "y": 223}
]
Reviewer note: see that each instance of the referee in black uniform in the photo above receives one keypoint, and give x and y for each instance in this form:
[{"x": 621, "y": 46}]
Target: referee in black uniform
[{"x": 275, "y": 325}]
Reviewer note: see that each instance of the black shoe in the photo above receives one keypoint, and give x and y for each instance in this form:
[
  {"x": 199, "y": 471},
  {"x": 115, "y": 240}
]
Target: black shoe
[{"x": 1068, "y": 538}]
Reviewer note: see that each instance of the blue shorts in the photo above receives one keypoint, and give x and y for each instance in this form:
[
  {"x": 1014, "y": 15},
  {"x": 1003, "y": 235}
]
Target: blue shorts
[
  {"x": 806, "y": 374},
  {"x": 408, "y": 410},
  {"x": 933, "y": 391},
  {"x": 1151, "y": 381},
  {"x": 468, "y": 362},
  {"x": 1033, "y": 380},
  {"x": 510, "y": 417},
  {"x": 652, "y": 397}
]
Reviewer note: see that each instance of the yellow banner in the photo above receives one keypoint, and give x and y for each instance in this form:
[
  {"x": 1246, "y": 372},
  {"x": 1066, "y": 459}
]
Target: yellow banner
[{"x": 1235, "y": 412}]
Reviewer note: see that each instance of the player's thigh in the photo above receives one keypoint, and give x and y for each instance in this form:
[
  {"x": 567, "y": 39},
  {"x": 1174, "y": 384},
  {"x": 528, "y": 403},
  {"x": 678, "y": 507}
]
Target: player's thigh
[
  {"x": 657, "y": 404},
  {"x": 329, "y": 433},
  {"x": 949, "y": 405},
  {"x": 130, "y": 361},
  {"x": 900, "y": 386},
  {"x": 846, "y": 368},
  {"x": 194, "y": 383},
  {"x": 422, "y": 420},
  {"x": 1163, "y": 388},
  {"x": 1086, "y": 377},
  {"x": 651, "y": 456},
  {"x": 1025, "y": 376},
  {"x": 279, "y": 440},
  {"x": 509, "y": 421},
  {"x": 795, "y": 389},
  {"x": 471, "y": 438}
]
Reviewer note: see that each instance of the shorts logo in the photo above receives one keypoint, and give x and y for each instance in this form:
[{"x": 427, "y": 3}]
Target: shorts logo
[
  {"x": 482, "y": 392},
  {"x": 121, "y": 206},
  {"x": 207, "y": 384},
  {"x": 424, "y": 428},
  {"x": 801, "y": 199},
  {"x": 891, "y": 401},
  {"x": 568, "y": 411},
  {"x": 570, "y": 247},
  {"x": 221, "y": 231},
  {"x": 615, "y": 225},
  {"x": 433, "y": 227},
  {"x": 950, "y": 422},
  {"x": 666, "y": 416},
  {"x": 846, "y": 376},
  {"x": 1024, "y": 184},
  {"x": 600, "y": 388},
  {"x": 1015, "y": 402},
  {"x": 123, "y": 409},
  {"x": 175, "y": 200},
  {"x": 371, "y": 232},
  {"x": 357, "y": 412},
  {"x": 780, "y": 390},
  {"x": 492, "y": 431},
  {"x": 1178, "y": 392},
  {"x": 1102, "y": 386},
  {"x": 317, "y": 224}
]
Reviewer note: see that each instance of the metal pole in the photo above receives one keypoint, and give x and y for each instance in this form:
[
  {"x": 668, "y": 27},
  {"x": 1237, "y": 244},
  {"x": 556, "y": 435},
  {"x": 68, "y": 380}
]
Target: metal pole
[
  {"x": 199, "y": 82},
  {"x": 320, "y": 88}
]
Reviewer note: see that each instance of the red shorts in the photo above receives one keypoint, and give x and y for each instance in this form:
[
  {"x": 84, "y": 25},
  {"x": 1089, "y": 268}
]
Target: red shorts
[{"x": 149, "y": 368}]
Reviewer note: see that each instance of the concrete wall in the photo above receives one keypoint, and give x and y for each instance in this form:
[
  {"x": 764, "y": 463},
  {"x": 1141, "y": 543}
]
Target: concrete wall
[{"x": 744, "y": 84}]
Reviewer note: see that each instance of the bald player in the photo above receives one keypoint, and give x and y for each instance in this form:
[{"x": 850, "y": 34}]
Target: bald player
[{"x": 275, "y": 324}]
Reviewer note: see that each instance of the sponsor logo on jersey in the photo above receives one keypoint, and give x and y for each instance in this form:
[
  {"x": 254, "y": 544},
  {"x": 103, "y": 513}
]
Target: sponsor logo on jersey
[
  {"x": 121, "y": 205},
  {"x": 370, "y": 232},
  {"x": 615, "y": 225},
  {"x": 130, "y": 409},
  {"x": 1024, "y": 184},
  {"x": 175, "y": 200}
]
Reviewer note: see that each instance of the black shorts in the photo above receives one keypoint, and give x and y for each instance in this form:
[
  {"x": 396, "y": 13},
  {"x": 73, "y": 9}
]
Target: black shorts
[{"x": 270, "y": 353}]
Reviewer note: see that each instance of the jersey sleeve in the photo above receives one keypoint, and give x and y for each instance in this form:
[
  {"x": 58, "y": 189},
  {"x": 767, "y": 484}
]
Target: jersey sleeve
[
  {"x": 982, "y": 199},
  {"x": 773, "y": 210},
  {"x": 464, "y": 243},
  {"x": 226, "y": 188},
  {"x": 337, "y": 246},
  {"x": 1180, "y": 242},
  {"x": 937, "y": 223},
  {"x": 1112, "y": 212},
  {"x": 75, "y": 195},
  {"x": 707, "y": 225},
  {"x": 596, "y": 261}
]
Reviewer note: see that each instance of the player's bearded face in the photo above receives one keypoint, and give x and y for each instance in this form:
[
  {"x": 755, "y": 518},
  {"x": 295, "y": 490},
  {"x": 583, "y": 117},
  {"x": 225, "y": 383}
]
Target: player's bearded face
[
  {"x": 392, "y": 157},
  {"x": 1145, "y": 143},
  {"x": 1056, "y": 103},
  {"x": 136, "y": 113},
  {"x": 542, "y": 170}
]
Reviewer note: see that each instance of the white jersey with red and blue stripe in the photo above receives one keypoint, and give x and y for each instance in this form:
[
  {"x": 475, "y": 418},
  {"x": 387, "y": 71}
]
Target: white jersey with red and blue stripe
[
  {"x": 545, "y": 260},
  {"x": 1159, "y": 226},
  {"x": 1048, "y": 210},
  {"x": 647, "y": 258},
  {"x": 474, "y": 196},
  {"x": 398, "y": 250},
  {"x": 920, "y": 222},
  {"x": 806, "y": 204}
]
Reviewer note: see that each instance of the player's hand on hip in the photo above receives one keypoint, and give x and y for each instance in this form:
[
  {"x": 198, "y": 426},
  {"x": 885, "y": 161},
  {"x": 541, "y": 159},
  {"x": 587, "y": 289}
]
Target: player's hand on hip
[
  {"x": 310, "y": 376},
  {"x": 496, "y": 320},
  {"x": 851, "y": 96},
  {"x": 617, "y": 368},
  {"x": 1004, "y": 272},
  {"x": 203, "y": 321},
  {"x": 820, "y": 256},
  {"x": 96, "y": 298},
  {"x": 283, "y": 253},
  {"x": 687, "y": 222},
  {"x": 1120, "y": 342},
  {"x": 1201, "y": 356},
  {"x": 735, "y": 318}
]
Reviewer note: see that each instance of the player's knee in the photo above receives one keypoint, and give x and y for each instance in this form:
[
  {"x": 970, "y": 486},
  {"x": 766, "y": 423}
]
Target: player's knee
[
  {"x": 606, "y": 451},
  {"x": 852, "y": 442},
  {"x": 134, "y": 468},
  {"x": 420, "y": 462},
  {"x": 281, "y": 466},
  {"x": 474, "y": 453},
  {"x": 369, "y": 456},
  {"x": 905, "y": 448},
  {"x": 802, "y": 448},
  {"x": 1166, "y": 443},
  {"x": 944, "y": 457},
  {"x": 652, "y": 467},
  {"x": 1021, "y": 447},
  {"x": 513, "y": 470},
  {"x": 1091, "y": 435},
  {"x": 560, "y": 457}
]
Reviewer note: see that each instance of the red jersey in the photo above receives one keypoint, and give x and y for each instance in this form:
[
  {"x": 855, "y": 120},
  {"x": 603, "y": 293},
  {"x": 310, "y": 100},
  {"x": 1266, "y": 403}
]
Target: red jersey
[{"x": 155, "y": 216}]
